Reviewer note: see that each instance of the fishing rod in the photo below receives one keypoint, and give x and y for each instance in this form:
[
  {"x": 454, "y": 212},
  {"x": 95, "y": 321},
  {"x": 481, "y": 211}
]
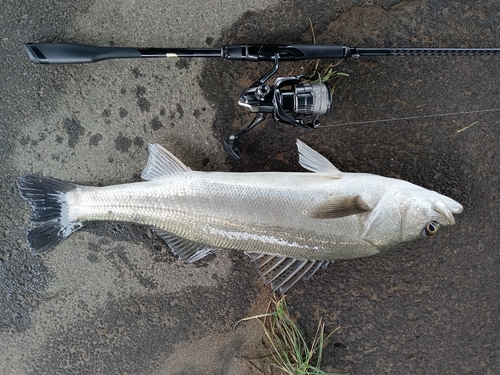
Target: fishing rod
[{"x": 291, "y": 100}]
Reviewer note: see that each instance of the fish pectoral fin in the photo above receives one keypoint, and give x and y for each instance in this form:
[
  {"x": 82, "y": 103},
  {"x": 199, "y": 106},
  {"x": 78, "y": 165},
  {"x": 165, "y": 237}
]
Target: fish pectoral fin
[
  {"x": 334, "y": 208},
  {"x": 282, "y": 273},
  {"x": 315, "y": 162},
  {"x": 187, "y": 250},
  {"x": 162, "y": 163}
]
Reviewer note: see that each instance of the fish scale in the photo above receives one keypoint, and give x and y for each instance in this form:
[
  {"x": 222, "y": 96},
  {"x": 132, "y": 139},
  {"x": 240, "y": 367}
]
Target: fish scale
[{"x": 268, "y": 211}]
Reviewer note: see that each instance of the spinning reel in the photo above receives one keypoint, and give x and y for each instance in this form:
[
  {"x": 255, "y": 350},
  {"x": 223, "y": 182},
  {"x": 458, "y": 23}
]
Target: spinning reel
[{"x": 291, "y": 100}]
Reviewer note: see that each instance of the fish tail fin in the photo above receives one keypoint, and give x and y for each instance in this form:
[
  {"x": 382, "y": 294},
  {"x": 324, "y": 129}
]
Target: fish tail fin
[{"x": 47, "y": 196}]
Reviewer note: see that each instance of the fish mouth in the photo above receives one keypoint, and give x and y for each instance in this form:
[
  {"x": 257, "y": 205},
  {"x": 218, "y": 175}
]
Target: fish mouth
[{"x": 447, "y": 209}]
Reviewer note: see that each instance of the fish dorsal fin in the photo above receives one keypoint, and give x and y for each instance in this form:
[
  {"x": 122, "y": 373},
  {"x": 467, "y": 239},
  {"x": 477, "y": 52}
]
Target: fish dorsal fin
[
  {"x": 185, "y": 249},
  {"x": 334, "y": 208},
  {"x": 315, "y": 162},
  {"x": 282, "y": 273},
  {"x": 162, "y": 163}
]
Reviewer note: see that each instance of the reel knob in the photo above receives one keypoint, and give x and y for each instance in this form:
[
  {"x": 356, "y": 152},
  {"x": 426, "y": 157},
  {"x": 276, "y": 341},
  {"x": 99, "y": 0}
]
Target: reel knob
[{"x": 262, "y": 91}]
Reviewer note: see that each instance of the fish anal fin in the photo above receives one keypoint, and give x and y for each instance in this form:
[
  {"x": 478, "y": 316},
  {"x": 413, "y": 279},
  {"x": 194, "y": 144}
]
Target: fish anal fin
[
  {"x": 187, "y": 250},
  {"x": 162, "y": 163},
  {"x": 282, "y": 273},
  {"x": 334, "y": 208},
  {"x": 313, "y": 161}
]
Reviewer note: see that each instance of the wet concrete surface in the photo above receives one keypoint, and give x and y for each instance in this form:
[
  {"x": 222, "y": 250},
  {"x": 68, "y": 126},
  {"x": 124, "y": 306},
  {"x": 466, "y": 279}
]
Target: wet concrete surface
[{"x": 111, "y": 299}]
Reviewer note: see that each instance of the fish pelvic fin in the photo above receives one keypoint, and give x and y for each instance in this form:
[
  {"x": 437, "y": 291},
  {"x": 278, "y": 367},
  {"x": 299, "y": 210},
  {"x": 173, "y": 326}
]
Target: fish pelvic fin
[
  {"x": 282, "y": 273},
  {"x": 315, "y": 162},
  {"x": 162, "y": 163},
  {"x": 187, "y": 250},
  {"x": 47, "y": 196}
]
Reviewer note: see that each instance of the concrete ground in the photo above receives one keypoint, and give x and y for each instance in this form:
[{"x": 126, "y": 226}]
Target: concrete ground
[{"x": 111, "y": 299}]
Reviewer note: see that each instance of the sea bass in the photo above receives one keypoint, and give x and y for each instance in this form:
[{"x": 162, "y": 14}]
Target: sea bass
[{"x": 290, "y": 224}]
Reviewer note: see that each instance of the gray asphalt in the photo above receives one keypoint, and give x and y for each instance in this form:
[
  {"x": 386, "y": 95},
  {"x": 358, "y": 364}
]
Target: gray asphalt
[{"x": 111, "y": 299}]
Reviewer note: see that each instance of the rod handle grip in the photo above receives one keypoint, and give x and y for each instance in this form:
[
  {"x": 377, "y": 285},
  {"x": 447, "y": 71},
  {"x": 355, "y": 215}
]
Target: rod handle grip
[{"x": 70, "y": 53}]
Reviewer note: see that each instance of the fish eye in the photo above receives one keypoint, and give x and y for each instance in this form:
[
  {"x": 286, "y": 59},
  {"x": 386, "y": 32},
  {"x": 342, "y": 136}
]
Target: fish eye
[{"x": 431, "y": 228}]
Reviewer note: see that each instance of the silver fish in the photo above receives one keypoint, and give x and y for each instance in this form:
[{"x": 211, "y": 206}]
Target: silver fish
[{"x": 290, "y": 224}]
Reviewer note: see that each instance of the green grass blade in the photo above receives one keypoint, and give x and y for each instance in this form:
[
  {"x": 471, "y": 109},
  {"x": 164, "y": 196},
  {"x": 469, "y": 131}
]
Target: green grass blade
[{"x": 287, "y": 347}]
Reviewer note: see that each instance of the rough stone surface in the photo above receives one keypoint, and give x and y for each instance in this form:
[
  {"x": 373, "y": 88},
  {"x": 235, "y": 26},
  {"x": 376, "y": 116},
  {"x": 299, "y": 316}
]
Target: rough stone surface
[{"x": 111, "y": 299}]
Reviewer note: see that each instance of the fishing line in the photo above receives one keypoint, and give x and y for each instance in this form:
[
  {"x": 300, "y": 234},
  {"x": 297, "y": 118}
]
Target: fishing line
[{"x": 410, "y": 118}]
